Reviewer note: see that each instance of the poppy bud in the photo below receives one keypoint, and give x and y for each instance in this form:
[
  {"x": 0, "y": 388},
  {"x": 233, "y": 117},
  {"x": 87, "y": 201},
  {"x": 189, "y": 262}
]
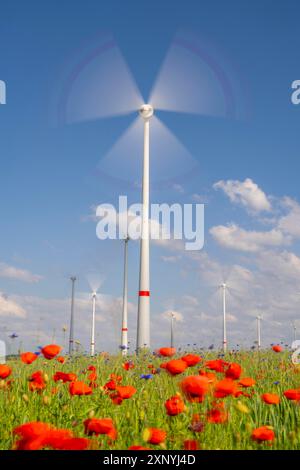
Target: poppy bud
[{"x": 25, "y": 398}]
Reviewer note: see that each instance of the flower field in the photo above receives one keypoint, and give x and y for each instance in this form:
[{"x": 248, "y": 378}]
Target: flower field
[{"x": 169, "y": 400}]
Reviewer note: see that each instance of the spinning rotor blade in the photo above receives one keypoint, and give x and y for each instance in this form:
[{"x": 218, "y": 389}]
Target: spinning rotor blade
[
  {"x": 192, "y": 81},
  {"x": 100, "y": 85}
]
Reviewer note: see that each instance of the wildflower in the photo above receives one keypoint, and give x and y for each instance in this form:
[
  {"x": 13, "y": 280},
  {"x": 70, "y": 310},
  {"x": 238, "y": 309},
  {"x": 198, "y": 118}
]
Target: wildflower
[
  {"x": 167, "y": 352},
  {"x": 38, "y": 435},
  {"x": 28, "y": 357},
  {"x": 195, "y": 387},
  {"x": 174, "y": 405},
  {"x": 190, "y": 444},
  {"x": 100, "y": 426},
  {"x": 276, "y": 348},
  {"x": 191, "y": 359},
  {"x": 242, "y": 407},
  {"x": 154, "y": 436},
  {"x": 125, "y": 391},
  {"x": 138, "y": 448},
  {"x": 270, "y": 398},
  {"x": 128, "y": 365},
  {"x": 5, "y": 371},
  {"x": 61, "y": 359},
  {"x": 264, "y": 433},
  {"x": 146, "y": 376},
  {"x": 292, "y": 394},
  {"x": 64, "y": 377},
  {"x": 234, "y": 371},
  {"x": 217, "y": 415},
  {"x": 210, "y": 375},
  {"x": 225, "y": 387},
  {"x": 50, "y": 351},
  {"x": 176, "y": 366},
  {"x": 247, "y": 382},
  {"x": 37, "y": 382},
  {"x": 79, "y": 388},
  {"x": 218, "y": 365}
]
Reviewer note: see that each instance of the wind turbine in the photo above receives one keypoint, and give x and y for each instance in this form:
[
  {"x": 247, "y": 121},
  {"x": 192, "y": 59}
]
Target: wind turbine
[
  {"x": 71, "y": 337},
  {"x": 223, "y": 287},
  {"x": 124, "y": 332},
  {"x": 294, "y": 331},
  {"x": 258, "y": 331},
  {"x": 172, "y": 329},
  {"x": 94, "y": 297},
  {"x": 190, "y": 81}
]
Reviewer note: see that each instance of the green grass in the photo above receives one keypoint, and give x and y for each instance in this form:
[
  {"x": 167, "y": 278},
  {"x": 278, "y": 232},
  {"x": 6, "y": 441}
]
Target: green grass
[{"x": 146, "y": 407}]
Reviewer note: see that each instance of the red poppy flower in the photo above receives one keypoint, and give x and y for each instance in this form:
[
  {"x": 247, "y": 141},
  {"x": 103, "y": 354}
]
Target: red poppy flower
[
  {"x": 50, "y": 351},
  {"x": 61, "y": 359},
  {"x": 234, "y": 371},
  {"x": 271, "y": 398},
  {"x": 28, "y": 357},
  {"x": 92, "y": 368},
  {"x": 5, "y": 371},
  {"x": 125, "y": 391},
  {"x": 167, "y": 352},
  {"x": 195, "y": 387},
  {"x": 71, "y": 443},
  {"x": 32, "y": 435},
  {"x": 128, "y": 365},
  {"x": 176, "y": 366},
  {"x": 110, "y": 385},
  {"x": 191, "y": 359},
  {"x": 217, "y": 365},
  {"x": 247, "y": 382},
  {"x": 37, "y": 382},
  {"x": 138, "y": 448},
  {"x": 154, "y": 436},
  {"x": 217, "y": 414},
  {"x": 292, "y": 394},
  {"x": 92, "y": 377},
  {"x": 264, "y": 433},
  {"x": 38, "y": 435},
  {"x": 225, "y": 387},
  {"x": 190, "y": 444},
  {"x": 64, "y": 377},
  {"x": 174, "y": 405},
  {"x": 79, "y": 388},
  {"x": 276, "y": 348},
  {"x": 100, "y": 426},
  {"x": 210, "y": 375}
]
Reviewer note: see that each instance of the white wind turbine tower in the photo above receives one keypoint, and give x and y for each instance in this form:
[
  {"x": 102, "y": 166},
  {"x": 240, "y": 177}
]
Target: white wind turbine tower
[
  {"x": 294, "y": 331},
  {"x": 223, "y": 287},
  {"x": 124, "y": 332},
  {"x": 172, "y": 329},
  {"x": 190, "y": 81},
  {"x": 94, "y": 297},
  {"x": 258, "y": 331}
]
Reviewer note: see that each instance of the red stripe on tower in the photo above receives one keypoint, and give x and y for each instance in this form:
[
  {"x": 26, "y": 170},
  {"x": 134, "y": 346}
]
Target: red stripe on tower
[
  {"x": 124, "y": 329},
  {"x": 144, "y": 293}
]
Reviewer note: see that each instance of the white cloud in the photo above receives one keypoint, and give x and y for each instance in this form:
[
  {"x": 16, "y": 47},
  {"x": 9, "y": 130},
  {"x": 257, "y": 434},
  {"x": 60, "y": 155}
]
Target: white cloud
[
  {"x": 10, "y": 308},
  {"x": 290, "y": 223},
  {"x": 236, "y": 238},
  {"x": 11, "y": 272},
  {"x": 247, "y": 193}
]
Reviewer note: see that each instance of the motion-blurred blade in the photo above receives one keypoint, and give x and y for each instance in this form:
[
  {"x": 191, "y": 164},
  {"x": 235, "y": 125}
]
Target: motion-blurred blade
[
  {"x": 191, "y": 80},
  {"x": 169, "y": 158},
  {"x": 99, "y": 85}
]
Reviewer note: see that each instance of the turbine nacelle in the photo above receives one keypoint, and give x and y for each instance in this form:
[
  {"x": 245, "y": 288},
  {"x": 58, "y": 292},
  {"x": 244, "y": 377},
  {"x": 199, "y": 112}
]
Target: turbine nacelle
[{"x": 146, "y": 111}]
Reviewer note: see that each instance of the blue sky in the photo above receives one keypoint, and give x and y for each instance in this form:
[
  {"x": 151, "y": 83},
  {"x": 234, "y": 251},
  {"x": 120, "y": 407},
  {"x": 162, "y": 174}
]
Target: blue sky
[{"x": 48, "y": 178}]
